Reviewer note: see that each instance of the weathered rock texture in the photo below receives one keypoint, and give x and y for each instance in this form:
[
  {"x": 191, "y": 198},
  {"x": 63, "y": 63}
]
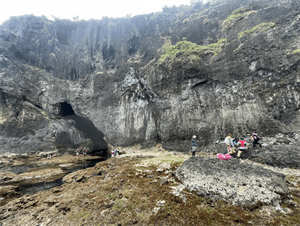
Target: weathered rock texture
[
  {"x": 232, "y": 181},
  {"x": 277, "y": 155},
  {"x": 111, "y": 72}
]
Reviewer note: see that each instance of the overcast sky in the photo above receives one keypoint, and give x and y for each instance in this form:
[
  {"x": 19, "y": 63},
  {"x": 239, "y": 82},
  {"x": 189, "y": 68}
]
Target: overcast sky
[{"x": 84, "y": 9}]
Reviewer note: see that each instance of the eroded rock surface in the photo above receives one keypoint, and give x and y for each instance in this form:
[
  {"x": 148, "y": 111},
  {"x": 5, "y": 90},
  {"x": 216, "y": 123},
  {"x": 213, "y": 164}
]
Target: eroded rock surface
[
  {"x": 242, "y": 75},
  {"x": 283, "y": 156},
  {"x": 232, "y": 181}
]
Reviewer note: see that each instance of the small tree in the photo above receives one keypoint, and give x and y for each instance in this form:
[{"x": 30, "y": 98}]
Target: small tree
[
  {"x": 196, "y": 3},
  {"x": 55, "y": 18},
  {"x": 171, "y": 10},
  {"x": 128, "y": 16},
  {"x": 76, "y": 18}
]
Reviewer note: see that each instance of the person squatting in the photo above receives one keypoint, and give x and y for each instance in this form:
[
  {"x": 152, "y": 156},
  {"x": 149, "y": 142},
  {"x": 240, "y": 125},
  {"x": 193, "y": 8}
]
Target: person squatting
[{"x": 241, "y": 143}]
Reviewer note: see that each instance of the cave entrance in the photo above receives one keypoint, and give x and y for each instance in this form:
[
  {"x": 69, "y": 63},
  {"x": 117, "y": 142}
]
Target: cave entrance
[
  {"x": 63, "y": 109},
  {"x": 66, "y": 109},
  {"x": 85, "y": 125}
]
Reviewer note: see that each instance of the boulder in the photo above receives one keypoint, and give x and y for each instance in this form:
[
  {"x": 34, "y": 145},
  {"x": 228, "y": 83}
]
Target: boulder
[
  {"x": 283, "y": 140},
  {"x": 232, "y": 181},
  {"x": 283, "y": 156}
]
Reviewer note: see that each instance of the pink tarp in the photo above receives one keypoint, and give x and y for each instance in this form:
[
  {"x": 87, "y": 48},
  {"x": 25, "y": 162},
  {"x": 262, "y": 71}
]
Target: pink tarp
[{"x": 224, "y": 157}]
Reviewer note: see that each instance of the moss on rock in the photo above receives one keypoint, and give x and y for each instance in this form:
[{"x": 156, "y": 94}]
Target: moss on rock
[
  {"x": 259, "y": 28},
  {"x": 236, "y": 15},
  {"x": 189, "y": 50},
  {"x": 296, "y": 51}
]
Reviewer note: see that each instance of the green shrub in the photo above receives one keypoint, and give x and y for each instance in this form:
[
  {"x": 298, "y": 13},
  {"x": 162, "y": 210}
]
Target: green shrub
[
  {"x": 237, "y": 13},
  {"x": 112, "y": 196},
  {"x": 259, "y": 28},
  {"x": 189, "y": 50},
  {"x": 119, "y": 205},
  {"x": 296, "y": 51}
]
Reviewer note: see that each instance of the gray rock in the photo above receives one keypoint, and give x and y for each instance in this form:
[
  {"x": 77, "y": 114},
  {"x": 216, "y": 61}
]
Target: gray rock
[
  {"x": 283, "y": 156},
  {"x": 232, "y": 181},
  {"x": 283, "y": 140},
  {"x": 109, "y": 72}
]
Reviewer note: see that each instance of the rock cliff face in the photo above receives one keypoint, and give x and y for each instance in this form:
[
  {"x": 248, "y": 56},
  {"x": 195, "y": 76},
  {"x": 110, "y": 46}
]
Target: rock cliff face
[{"x": 226, "y": 66}]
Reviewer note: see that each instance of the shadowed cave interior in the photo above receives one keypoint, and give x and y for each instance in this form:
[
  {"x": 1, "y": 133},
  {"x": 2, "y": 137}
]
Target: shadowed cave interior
[{"x": 85, "y": 125}]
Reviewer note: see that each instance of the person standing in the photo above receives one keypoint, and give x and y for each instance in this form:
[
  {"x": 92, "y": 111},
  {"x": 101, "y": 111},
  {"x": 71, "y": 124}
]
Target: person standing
[
  {"x": 194, "y": 145},
  {"x": 256, "y": 138},
  {"x": 53, "y": 134},
  {"x": 242, "y": 146},
  {"x": 84, "y": 151}
]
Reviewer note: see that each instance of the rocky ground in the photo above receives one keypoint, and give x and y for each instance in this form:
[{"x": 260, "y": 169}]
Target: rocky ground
[
  {"x": 139, "y": 187},
  {"x": 30, "y": 171}
]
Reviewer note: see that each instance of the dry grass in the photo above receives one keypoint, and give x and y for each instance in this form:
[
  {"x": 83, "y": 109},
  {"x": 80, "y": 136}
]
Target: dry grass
[{"x": 138, "y": 190}]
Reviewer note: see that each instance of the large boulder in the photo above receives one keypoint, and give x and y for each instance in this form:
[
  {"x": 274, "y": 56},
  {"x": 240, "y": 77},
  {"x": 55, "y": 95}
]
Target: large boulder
[
  {"x": 283, "y": 156},
  {"x": 283, "y": 140},
  {"x": 232, "y": 181}
]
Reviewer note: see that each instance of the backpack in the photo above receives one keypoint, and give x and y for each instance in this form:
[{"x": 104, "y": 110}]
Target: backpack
[
  {"x": 236, "y": 140},
  {"x": 257, "y": 137}
]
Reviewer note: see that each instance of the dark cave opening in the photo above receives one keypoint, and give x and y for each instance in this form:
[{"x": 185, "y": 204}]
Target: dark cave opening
[
  {"x": 83, "y": 124},
  {"x": 66, "y": 109}
]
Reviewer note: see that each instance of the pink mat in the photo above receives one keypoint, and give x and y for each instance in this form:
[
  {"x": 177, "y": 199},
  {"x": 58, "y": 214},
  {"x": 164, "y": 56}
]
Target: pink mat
[{"x": 224, "y": 157}]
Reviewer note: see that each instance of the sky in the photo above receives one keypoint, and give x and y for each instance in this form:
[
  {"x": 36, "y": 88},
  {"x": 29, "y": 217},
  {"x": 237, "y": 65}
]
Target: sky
[{"x": 84, "y": 9}]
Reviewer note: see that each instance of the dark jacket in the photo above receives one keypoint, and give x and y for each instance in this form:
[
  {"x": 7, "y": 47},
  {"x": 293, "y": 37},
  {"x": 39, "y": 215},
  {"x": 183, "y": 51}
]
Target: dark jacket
[
  {"x": 194, "y": 143},
  {"x": 255, "y": 137}
]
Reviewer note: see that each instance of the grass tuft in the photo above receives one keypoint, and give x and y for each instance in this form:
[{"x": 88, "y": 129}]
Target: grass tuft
[
  {"x": 112, "y": 196},
  {"x": 259, "y": 28},
  {"x": 119, "y": 205},
  {"x": 237, "y": 14},
  {"x": 297, "y": 51}
]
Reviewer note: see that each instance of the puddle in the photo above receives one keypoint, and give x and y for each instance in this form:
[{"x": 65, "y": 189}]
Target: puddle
[
  {"x": 31, "y": 189},
  {"x": 15, "y": 169},
  {"x": 32, "y": 177},
  {"x": 19, "y": 164}
]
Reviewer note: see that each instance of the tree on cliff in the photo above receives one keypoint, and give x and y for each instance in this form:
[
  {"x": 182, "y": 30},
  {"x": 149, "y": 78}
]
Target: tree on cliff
[{"x": 196, "y": 3}]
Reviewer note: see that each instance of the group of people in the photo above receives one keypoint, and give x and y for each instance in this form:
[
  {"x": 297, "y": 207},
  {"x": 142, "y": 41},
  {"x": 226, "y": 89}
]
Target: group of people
[
  {"x": 115, "y": 153},
  {"x": 82, "y": 152},
  {"x": 232, "y": 144}
]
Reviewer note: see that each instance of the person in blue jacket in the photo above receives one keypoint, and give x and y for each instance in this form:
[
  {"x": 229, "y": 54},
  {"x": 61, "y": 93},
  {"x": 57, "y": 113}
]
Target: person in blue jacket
[{"x": 194, "y": 146}]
